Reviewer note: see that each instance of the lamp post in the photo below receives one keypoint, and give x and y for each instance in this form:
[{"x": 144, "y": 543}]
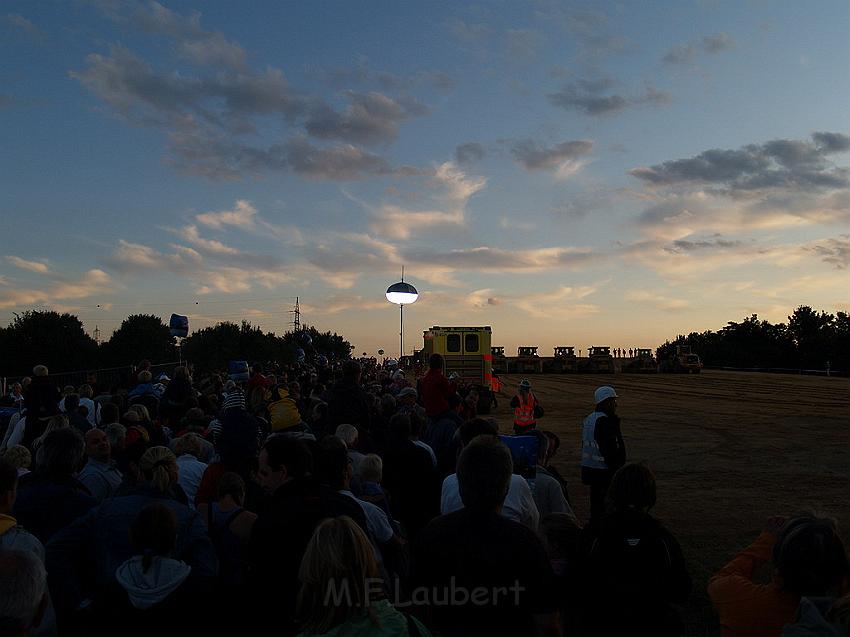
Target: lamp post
[{"x": 401, "y": 294}]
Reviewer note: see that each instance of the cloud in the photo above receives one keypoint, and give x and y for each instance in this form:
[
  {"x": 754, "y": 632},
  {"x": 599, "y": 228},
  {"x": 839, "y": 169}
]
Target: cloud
[
  {"x": 6, "y": 101},
  {"x": 563, "y": 158},
  {"x": 469, "y": 153},
  {"x": 342, "y": 162},
  {"x": 594, "y": 97},
  {"x": 833, "y": 251},
  {"x": 32, "y": 266},
  {"x": 137, "y": 258},
  {"x": 780, "y": 163},
  {"x": 455, "y": 190},
  {"x": 194, "y": 43},
  {"x": 494, "y": 260},
  {"x": 191, "y": 235},
  {"x": 92, "y": 282},
  {"x": 657, "y": 301},
  {"x": 561, "y": 303},
  {"x": 242, "y": 216},
  {"x": 371, "y": 118},
  {"x": 212, "y": 121},
  {"x": 22, "y": 26},
  {"x": 468, "y": 33},
  {"x": 683, "y": 54}
]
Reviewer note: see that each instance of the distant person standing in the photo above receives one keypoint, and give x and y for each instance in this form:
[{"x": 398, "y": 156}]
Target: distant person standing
[
  {"x": 526, "y": 408},
  {"x": 603, "y": 450},
  {"x": 435, "y": 388}
]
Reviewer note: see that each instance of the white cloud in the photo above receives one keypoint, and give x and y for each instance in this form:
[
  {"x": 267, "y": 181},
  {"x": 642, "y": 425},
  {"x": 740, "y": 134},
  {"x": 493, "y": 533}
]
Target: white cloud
[
  {"x": 92, "y": 282},
  {"x": 25, "y": 264}
]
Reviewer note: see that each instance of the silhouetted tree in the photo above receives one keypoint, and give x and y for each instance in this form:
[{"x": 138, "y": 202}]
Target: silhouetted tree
[
  {"x": 49, "y": 338},
  {"x": 140, "y": 336}
]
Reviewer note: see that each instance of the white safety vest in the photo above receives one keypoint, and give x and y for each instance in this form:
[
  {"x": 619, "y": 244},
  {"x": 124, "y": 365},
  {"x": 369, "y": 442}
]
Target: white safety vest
[{"x": 590, "y": 455}]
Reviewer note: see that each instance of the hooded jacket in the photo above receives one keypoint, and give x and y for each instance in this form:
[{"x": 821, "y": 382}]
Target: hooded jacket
[{"x": 145, "y": 589}]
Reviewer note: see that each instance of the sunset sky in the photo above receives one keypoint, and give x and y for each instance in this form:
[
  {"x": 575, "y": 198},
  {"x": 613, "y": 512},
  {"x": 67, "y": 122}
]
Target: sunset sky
[{"x": 570, "y": 174}]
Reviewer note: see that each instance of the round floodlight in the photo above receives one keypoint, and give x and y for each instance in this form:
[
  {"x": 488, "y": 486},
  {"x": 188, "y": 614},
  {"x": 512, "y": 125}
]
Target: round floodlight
[{"x": 402, "y": 293}]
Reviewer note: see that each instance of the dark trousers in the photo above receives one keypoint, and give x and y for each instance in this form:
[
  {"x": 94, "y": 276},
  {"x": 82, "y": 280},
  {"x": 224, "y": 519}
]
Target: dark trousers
[{"x": 598, "y": 491}]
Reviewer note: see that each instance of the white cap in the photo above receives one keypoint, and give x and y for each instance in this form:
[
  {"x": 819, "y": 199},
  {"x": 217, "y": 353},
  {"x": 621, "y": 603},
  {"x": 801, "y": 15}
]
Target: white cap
[{"x": 603, "y": 393}]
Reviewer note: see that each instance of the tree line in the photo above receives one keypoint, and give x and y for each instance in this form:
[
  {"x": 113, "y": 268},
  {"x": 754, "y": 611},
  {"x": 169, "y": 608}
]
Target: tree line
[
  {"x": 809, "y": 340},
  {"x": 60, "y": 342}
]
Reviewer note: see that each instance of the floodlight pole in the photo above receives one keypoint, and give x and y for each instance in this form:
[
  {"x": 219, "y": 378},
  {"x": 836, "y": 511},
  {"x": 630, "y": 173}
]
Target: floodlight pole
[{"x": 401, "y": 334}]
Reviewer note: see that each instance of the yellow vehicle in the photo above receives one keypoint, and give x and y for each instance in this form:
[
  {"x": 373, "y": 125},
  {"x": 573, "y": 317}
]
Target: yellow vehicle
[
  {"x": 564, "y": 361},
  {"x": 466, "y": 350}
]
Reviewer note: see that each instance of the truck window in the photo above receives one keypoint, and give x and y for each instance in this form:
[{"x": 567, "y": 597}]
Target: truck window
[
  {"x": 471, "y": 343},
  {"x": 453, "y": 342}
]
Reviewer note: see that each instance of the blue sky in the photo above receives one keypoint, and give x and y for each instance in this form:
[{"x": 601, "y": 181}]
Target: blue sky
[{"x": 571, "y": 174}]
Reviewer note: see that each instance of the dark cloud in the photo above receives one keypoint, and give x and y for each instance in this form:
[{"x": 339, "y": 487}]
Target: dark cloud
[
  {"x": 834, "y": 251},
  {"x": 212, "y": 120},
  {"x": 338, "y": 162},
  {"x": 717, "y": 43},
  {"x": 683, "y": 245},
  {"x": 709, "y": 45},
  {"x": 469, "y": 152},
  {"x": 371, "y": 118},
  {"x": 779, "y": 163},
  {"x": 680, "y": 54},
  {"x": 535, "y": 157},
  {"x": 594, "y": 97}
]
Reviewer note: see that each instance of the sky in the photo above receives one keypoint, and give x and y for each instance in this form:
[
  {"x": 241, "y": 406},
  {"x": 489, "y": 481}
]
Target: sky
[{"x": 569, "y": 174}]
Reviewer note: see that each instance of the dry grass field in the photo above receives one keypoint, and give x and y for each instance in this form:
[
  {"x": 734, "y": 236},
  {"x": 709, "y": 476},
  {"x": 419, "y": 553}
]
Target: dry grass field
[{"x": 729, "y": 449}]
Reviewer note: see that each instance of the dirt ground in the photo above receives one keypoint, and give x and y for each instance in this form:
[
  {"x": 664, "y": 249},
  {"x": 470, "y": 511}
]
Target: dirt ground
[{"x": 729, "y": 449}]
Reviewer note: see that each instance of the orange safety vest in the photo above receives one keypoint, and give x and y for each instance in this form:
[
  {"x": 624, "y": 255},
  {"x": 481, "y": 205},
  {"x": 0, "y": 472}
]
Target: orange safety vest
[
  {"x": 524, "y": 412},
  {"x": 496, "y": 385}
]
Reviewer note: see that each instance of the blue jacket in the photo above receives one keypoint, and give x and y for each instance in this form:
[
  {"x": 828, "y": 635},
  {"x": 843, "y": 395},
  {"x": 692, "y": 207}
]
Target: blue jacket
[{"x": 99, "y": 542}]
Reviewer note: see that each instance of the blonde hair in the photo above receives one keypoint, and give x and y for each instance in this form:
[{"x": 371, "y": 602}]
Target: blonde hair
[
  {"x": 371, "y": 468},
  {"x": 39, "y": 370},
  {"x": 144, "y": 414},
  {"x": 339, "y": 553},
  {"x": 145, "y": 376},
  {"x": 18, "y": 456},
  {"x": 188, "y": 443},
  {"x": 154, "y": 465}
]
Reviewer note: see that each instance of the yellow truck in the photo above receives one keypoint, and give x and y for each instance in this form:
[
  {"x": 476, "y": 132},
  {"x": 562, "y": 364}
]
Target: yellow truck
[{"x": 467, "y": 353}]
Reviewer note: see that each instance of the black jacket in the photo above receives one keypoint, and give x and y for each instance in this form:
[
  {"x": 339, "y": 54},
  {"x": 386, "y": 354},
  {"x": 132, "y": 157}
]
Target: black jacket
[{"x": 636, "y": 573}]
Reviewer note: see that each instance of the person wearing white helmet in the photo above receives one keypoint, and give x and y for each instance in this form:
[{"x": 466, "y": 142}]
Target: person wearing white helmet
[
  {"x": 527, "y": 408},
  {"x": 603, "y": 450}
]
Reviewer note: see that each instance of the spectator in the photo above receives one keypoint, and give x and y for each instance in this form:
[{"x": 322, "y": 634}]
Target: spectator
[
  {"x": 410, "y": 478},
  {"x": 152, "y": 591},
  {"x": 297, "y": 504},
  {"x": 602, "y": 448},
  {"x": 41, "y": 398},
  {"x": 109, "y": 414},
  {"x": 191, "y": 469},
  {"x": 13, "y": 537},
  {"x": 634, "y": 564},
  {"x": 79, "y": 548},
  {"x": 100, "y": 475},
  {"x": 20, "y": 458},
  {"x": 548, "y": 495},
  {"x": 340, "y": 555},
  {"x": 417, "y": 421},
  {"x": 370, "y": 476},
  {"x": 436, "y": 388},
  {"x": 117, "y": 435},
  {"x": 441, "y": 435},
  {"x": 52, "y": 497},
  {"x": 230, "y": 528},
  {"x": 94, "y": 415},
  {"x": 406, "y": 400},
  {"x": 283, "y": 410},
  {"x": 349, "y": 435},
  {"x": 475, "y": 548},
  {"x": 145, "y": 387},
  {"x": 561, "y": 536},
  {"x": 347, "y": 402},
  {"x": 519, "y": 503},
  {"x": 23, "y": 593},
  {"x": 809, "y": 560}
]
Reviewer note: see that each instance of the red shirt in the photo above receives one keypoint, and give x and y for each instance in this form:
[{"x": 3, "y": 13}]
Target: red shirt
[{"x": 435, "y": 389}]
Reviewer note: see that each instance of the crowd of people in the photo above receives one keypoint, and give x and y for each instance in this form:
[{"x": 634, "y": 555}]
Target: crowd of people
[{"x": 351, "y": 499}]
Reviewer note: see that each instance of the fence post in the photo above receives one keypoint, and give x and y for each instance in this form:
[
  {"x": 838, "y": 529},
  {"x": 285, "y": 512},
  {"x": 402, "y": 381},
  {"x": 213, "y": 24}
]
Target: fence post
[{"x": 827, "y": 369}]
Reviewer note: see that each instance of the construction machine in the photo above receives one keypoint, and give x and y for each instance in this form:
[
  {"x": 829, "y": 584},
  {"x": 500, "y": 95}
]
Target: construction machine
[
  {"x": 684, "y": 361},
  {"x": 527, "y": 361},
  {"x": 598, "y": 361},
  {"x": 564, "y": 361},
  {"x": 643, "y": 362}
]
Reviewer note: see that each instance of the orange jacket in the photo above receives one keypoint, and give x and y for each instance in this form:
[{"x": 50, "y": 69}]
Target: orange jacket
[
  {"x": 748, "y": 609},
  {"x": 524, "y": 411}
]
